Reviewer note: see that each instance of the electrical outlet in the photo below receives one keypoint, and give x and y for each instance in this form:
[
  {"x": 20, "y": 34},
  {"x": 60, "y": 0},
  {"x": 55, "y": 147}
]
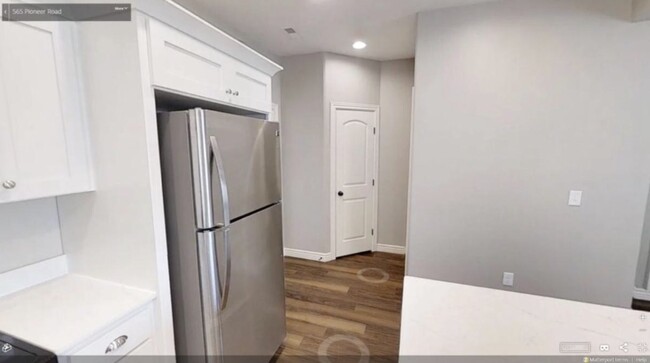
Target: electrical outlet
[{"x": 508, "y": 279}]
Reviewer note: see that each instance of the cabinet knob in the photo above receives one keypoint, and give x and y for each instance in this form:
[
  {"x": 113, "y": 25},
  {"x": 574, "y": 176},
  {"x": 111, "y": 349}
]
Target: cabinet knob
[
  {"x": 9, "y": 184},
  {"x": 236, "y": 93},
  {"x": 228, "y": 91},
  {"x": 116, "y": 344}
]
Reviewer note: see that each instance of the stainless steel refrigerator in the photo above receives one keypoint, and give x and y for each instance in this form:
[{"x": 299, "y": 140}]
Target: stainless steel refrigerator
[{"x": 221, "y": 184}]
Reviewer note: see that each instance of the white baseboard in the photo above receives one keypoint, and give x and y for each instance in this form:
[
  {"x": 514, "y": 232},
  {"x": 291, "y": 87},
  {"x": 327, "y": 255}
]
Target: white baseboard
[
  {"x": 31, "y": 275},
  {"x": 325, "y": 257},
  {"x": 399, "y": 250},
  {"x": 641, "y": 294},
  {"x": 308, "y": 255}
]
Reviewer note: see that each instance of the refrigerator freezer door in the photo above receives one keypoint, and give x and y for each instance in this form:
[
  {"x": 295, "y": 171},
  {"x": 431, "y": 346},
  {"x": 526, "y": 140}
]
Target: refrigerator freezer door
[
  {"x": 253, "y": 319},
  {"x": 230, "y": 164},
  {"x": 187, "y": 167},
  {"x": 250, "y": 154}
]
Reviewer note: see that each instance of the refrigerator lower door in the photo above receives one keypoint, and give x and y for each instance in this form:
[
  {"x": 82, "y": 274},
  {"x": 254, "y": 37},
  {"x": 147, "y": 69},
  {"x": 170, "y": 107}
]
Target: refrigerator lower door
[{"x": 253, "y": 317}]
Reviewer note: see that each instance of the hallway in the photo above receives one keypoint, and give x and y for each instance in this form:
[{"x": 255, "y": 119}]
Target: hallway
[{"x": 349, "y": 306}]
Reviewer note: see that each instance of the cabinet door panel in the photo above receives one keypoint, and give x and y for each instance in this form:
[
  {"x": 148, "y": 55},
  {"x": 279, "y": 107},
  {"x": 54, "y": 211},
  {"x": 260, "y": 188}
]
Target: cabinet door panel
[
  {"x": 35, "y": 110},
  {"x": 7, "y": 164},
  {"x": 182, "y": 63},
  {"x": 42, "y": 121},
  {"x": 253, "y": 88}
]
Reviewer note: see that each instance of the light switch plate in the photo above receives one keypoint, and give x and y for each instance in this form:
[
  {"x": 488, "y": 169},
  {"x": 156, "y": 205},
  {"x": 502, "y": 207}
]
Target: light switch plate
[
  {"x": 508, "y": 278},
  {"x": 575, "y": 198}
]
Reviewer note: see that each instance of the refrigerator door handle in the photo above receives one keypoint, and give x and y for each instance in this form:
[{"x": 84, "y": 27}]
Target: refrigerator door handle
[
  {"x": 218, "y": 162},
  {"x": 210, "y": 292},
  {"x": 201, "y": 168},
  {"x": 225, "y": 205},
  {"x": 226, "y": 288}
]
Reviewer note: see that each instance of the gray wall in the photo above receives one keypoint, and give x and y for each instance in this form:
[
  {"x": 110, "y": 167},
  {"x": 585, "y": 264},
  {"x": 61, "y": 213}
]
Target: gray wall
[
  {"x": 29, "y": 233},
  {"x": 349, "y": 80},
  {"x": 310, "y": 83},
  {"x": 644, "y": 252},
  {"x": 352, "y": 80},
  {"x": 303, "y": 171},
  {"x": 276, "y": 89},
  {"x": 394, "y": 149},
  {"x": 641, "y": 10},
  {"x": 517, "y": 103}
]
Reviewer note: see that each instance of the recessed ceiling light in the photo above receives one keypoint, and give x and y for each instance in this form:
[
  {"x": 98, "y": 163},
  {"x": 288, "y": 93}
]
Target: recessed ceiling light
[{"x": 358, "y": 45}]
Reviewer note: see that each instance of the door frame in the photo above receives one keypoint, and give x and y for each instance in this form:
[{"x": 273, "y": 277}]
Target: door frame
[
  {"x": 334, "y": 106},
  {"x": 410, "y": 182}
]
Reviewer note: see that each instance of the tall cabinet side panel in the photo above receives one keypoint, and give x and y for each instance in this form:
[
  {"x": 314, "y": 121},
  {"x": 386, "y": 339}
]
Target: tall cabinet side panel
[{"x": 181, "y": 232}]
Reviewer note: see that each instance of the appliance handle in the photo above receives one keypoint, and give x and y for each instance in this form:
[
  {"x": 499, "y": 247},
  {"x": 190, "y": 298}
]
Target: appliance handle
[
  {"x": 215, "y": 155},
  {"x": 226, "y": 288},
  {"x": 225, "y": 205},
  {"x": 210, "y": 290}
]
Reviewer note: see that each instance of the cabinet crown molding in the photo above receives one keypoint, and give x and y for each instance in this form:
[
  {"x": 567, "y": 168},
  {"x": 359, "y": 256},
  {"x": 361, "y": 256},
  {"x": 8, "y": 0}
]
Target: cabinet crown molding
[{"x": 184, "y": 20}]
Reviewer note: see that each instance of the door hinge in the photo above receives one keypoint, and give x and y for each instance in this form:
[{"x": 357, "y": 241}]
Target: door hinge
[
  {"x": 373, "y": 182},
  {"x": 372, "y": 231},
  {"x": 277, "y": 133},
  {"x": 374, "y": 130}
]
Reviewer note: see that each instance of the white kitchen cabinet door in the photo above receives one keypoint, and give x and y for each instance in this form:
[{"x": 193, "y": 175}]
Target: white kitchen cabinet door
[
  {"x": 182, "y": 63},
  {"x": 250, "y": 87},
  {"x": 185, "y": 65},
  {"x": 43, "y": 137}
]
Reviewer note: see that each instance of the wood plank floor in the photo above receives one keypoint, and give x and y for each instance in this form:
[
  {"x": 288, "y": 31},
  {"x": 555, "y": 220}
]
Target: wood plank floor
[{"x": 332, "y": 311}]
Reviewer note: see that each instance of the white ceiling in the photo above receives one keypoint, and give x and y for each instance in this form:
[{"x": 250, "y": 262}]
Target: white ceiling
[{"x": 387, "y": 26}]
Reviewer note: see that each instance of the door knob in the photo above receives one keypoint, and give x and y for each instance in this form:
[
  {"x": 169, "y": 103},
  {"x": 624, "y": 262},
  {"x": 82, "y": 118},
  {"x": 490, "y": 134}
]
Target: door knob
[
  {"x": 235, "y": 93},
  {"x": 9, "y": 184},
  {"x": 340, "y": 193},
  {"x": 228, "y": 91}
]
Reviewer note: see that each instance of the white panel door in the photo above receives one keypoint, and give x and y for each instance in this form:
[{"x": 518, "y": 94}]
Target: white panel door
[
  {"x": 44, "y": 150},
  {"x": 355, "y": 179}
]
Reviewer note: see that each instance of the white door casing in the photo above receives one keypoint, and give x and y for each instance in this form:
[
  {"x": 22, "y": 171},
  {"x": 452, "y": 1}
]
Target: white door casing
[{"x": 354, "y": 166}]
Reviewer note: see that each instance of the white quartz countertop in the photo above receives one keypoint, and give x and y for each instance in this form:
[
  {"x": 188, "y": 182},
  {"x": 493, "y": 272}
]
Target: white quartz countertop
[
  {"x": 64, "y": 312},
  {"x": 446, "y": 319}
]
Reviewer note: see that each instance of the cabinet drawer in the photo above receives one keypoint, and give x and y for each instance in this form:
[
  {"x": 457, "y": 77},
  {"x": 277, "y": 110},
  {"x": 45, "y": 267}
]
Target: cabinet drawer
[
  {"x": 182, "y": 63},
  {"x": 145, "y": 349},
  {"x": 137, "y": 330}
]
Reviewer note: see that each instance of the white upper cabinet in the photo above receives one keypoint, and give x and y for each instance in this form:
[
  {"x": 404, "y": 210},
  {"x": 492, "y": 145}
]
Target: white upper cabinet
[
  {"x": 43, "y": 138},
  {"x": 183, "y": 64},
  {"x": 250, "y": 87}
]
